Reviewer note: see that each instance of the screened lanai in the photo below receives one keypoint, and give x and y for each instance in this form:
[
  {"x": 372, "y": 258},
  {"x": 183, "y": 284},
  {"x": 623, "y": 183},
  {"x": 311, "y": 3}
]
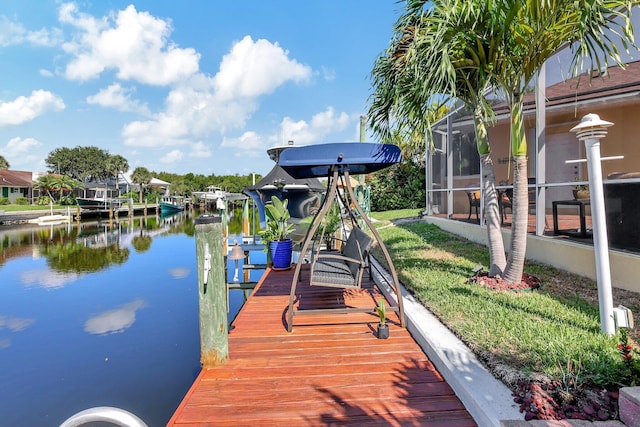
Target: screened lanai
[{"x": 454, "y": 172}]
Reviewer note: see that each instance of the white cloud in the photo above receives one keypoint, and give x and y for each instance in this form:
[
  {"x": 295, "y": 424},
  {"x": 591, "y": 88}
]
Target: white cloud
[
  {"x": 328, "y": 73},
  {"x": 248, "y": 144},
  {"x": 200, "y": 150},
  {"x": 172, "y": 156},
  {"x": 23, "y": 151},
  {"x": 256, "y": 68},
  {"x": 115, "y": 96},
  {"x": 24, "y": 109},
  {"x": 114, "y": 321},
  {"x": 14, "y": 33},
  {"x": 21, "y": 146},
  {"x": 201, "y": 105},
  {"x": 321, "y": 125},
  {"x": 133, "y": 43},
  {"x": 45, "y": 73}
]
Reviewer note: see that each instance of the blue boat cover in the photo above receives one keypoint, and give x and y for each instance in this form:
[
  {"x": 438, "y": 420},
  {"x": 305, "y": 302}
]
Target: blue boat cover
[{"x": 314, "y": 161}]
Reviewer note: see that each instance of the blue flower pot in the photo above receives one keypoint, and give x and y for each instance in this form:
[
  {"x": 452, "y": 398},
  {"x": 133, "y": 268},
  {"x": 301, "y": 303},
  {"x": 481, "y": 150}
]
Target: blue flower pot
[{"x": 281, "y": 253}]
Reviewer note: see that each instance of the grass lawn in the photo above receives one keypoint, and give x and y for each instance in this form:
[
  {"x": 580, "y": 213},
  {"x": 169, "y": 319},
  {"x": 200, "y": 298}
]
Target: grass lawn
[
  {"x": 16, "y": 208},
  {"x": 554, "y": 331}
]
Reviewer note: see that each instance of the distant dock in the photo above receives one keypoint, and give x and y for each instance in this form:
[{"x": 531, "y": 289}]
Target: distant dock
[{"x": 21, "y": 217}]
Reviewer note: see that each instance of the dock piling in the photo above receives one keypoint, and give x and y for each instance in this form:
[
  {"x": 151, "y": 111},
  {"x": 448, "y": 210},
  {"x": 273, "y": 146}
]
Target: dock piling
[{"x": 212, "y": 291}]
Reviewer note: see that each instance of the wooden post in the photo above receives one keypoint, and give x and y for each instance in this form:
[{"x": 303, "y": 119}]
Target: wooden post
[{"x": 212, "y": 291}]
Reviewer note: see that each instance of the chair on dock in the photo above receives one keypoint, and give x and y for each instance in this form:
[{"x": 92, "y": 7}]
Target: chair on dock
[{"x": 340, "y": 269}]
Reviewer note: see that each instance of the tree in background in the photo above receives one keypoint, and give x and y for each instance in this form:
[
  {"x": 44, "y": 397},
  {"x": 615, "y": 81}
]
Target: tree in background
[
  {"x": 52, "y": 184},
  {"x": 116, "y": 165},
  {"x": 142, "y": 177},
  {"x": 83, "y": 164},
  {"x": 3, "y": 163},
  {"x": 401, "y": 186},
  {"x": 62, "y": 184},
  {"x": 46, "y": 183}
]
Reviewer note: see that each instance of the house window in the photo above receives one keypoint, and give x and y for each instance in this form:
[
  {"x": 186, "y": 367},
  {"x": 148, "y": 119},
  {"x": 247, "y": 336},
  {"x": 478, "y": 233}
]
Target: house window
[{"x": 466, "y": 160}]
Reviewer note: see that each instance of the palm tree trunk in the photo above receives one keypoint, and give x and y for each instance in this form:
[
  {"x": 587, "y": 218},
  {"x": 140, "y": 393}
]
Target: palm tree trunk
[
  {"x": 520, "y": 202},
  {"x": 495, "y": 243},
  {"x": 492, "y": 215}
]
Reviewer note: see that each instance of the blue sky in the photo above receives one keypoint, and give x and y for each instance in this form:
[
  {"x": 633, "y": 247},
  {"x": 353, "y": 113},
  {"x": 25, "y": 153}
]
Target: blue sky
[{"x": 196, "y": 86}]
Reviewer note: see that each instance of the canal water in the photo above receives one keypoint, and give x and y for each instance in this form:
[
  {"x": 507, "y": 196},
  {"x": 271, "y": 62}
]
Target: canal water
[{"x": 100, "y": 314}]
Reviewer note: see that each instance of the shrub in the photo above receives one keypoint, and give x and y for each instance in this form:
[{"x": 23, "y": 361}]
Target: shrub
[
  {"x": 400, "y": 186},
  {"x": 4, "y": 200},
  {"x": 22, "y": 201},
  {"x": 67, "y": 200},
  {"x": 42, "y": 201}
]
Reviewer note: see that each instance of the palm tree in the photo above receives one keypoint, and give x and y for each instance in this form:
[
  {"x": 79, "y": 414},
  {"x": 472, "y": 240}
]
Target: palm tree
[
  {"x": 3, "y": 163},
  {"x": 64, "y": 183},
  {"x": 429, "y": 57},
  {"x": 142, "y": 177},
  {"x": 460, "y": 48},
  {"x": 115, "y": 165},
  {"x": 536, "y": 31},
  {"x": 47, "y": 184}
]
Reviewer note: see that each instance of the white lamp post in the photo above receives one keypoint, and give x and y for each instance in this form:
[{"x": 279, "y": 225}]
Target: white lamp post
[
  {"x": 590, "y": 130},
  {"x": 236, "y": 254}
]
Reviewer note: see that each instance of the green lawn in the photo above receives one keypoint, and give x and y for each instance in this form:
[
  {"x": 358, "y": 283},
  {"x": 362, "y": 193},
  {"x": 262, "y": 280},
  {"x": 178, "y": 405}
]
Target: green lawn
[
  {"x": 16, "y": 208},
  {"x": 554, "y": 330}
]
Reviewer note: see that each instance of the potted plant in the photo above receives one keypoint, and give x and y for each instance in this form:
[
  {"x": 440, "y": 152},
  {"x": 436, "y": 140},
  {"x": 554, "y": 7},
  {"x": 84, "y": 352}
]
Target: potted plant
[
  {"x": 331, "y": 223},
  {"x": 276, "y": 235},
  {"x": 581, "y": 192},
  {"x": 383, "y": 328}
]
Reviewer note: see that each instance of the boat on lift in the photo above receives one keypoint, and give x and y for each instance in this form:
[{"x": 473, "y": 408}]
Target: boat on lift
[
  {"x": 98, "y": 201},
  {"x": 213, "y": 193},
  {"x": 304, "y": 195}
]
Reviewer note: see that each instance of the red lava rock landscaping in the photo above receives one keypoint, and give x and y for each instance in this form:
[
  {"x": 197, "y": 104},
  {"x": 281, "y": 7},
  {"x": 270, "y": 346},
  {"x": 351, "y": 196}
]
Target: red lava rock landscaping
[
  {"x": 549, "y": 401},
  {"x": 528, "y": 282}
]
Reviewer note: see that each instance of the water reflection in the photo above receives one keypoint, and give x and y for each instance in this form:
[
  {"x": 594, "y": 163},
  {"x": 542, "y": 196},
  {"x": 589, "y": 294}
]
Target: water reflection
[
  {"x": 179, "y": 273},
  {"x": 46, "y": 278},
  {"x": 114, "y": 321},
  {"x": 13, "y": 324},
  {"x": 100, "y": 314}
]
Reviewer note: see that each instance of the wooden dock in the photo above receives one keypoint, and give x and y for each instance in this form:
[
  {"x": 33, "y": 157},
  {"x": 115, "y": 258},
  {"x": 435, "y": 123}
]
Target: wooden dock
[{"x": 331, "y": 370}]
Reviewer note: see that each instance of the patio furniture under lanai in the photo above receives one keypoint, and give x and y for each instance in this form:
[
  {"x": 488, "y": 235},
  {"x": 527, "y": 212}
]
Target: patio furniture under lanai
[{"x": 340, "y": 269}]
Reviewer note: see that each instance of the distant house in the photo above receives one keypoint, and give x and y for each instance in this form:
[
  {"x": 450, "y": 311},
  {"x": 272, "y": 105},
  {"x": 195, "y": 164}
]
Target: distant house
[
  {"x": 160, "y": 185},
  {"x": 15, "y": 184}
]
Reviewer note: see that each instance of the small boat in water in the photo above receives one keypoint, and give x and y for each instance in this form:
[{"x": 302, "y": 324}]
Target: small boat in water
[
  {"x": 51, "y": 219},
  {"x": 171, "y": 204}
]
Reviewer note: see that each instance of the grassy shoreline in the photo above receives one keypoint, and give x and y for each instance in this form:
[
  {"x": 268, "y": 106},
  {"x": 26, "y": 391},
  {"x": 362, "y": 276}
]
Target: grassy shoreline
[{"x": 553, "y": 332}]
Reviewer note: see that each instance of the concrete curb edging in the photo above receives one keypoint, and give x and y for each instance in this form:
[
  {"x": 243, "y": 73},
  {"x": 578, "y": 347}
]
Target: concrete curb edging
[{"x": 488, "y": 400}]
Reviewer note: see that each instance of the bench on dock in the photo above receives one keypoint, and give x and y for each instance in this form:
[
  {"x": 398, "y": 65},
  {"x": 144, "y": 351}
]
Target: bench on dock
[{"x": 343, "y": 269}]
